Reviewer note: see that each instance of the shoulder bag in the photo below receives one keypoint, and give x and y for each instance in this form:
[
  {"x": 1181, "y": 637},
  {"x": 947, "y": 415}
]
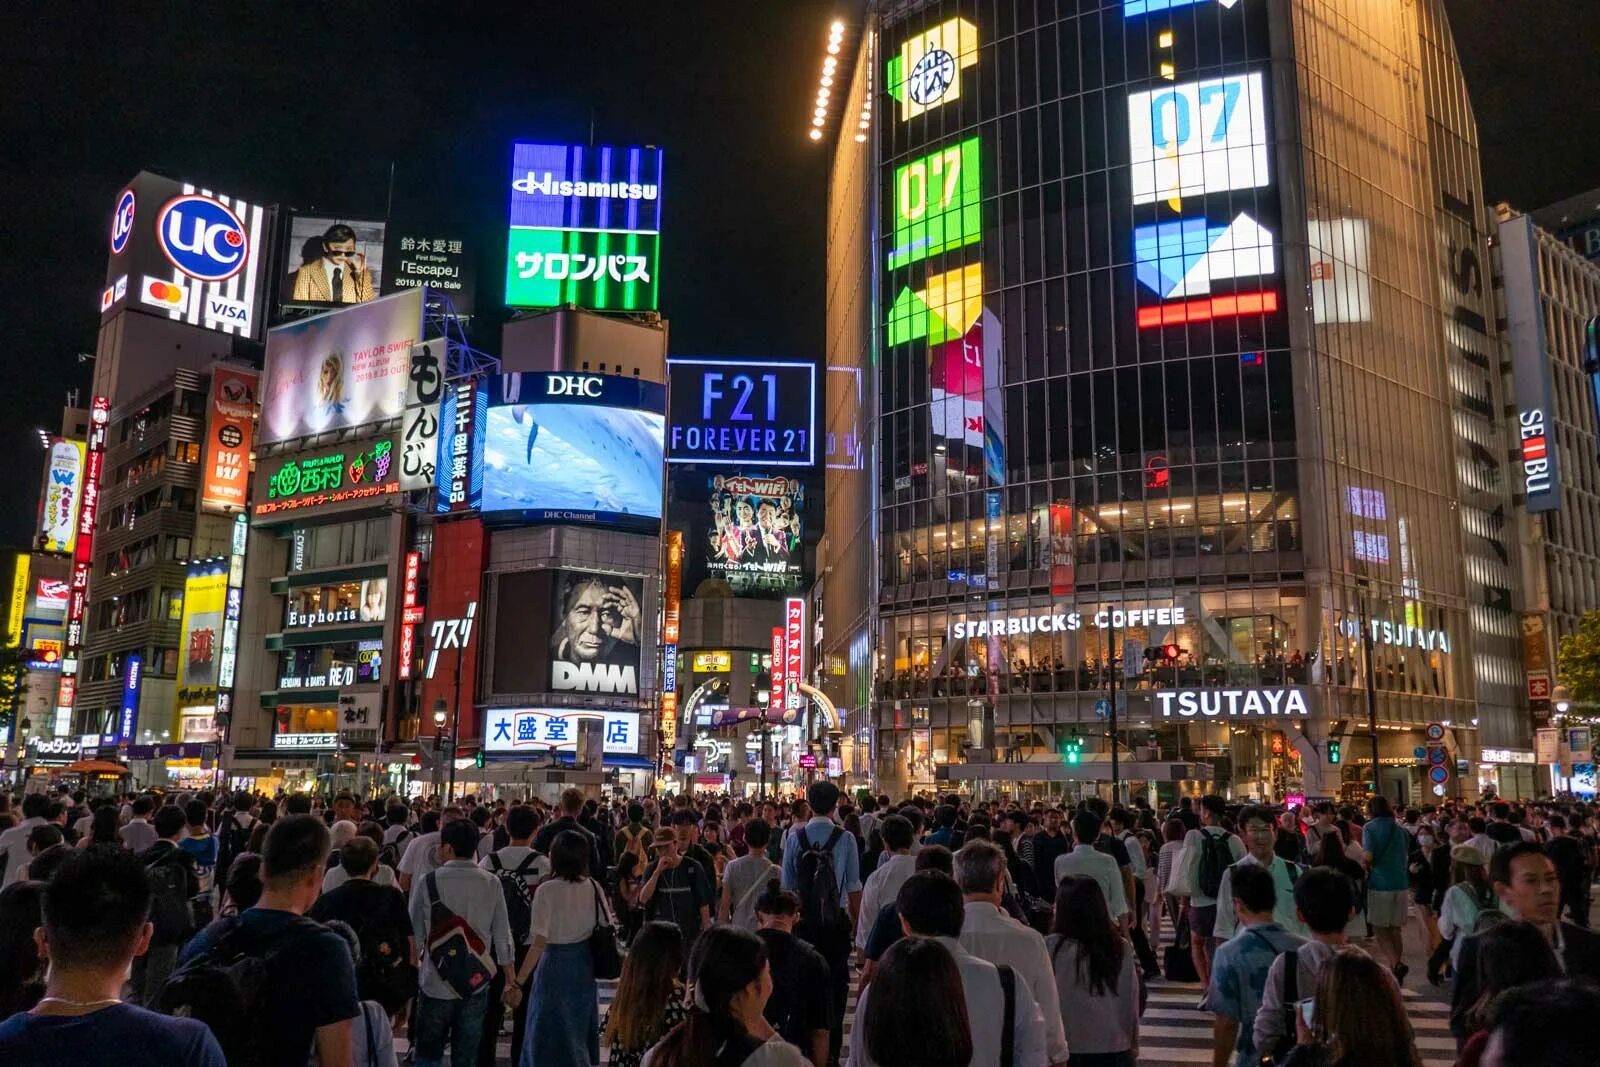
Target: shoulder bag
[{"x": 604, "y": 953}]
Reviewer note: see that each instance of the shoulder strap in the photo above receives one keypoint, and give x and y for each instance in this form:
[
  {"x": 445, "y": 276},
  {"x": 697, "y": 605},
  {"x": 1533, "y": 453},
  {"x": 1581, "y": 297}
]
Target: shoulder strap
[
  {"x": 494, "y": 862},
  {"x": 527, "y": 861},
  {"x": 749, "y": 894},
  {"x": 1291, "y": 978},
  {"x": 372, "y": 1040},
  {"x": 1008, "y": 1023},
  {"x": 431, "y": 884},
  {"x": 833, "y": 839}
]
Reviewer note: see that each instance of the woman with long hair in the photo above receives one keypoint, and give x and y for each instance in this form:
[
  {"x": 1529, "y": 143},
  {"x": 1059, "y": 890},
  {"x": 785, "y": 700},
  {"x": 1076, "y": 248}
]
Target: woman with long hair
[
  {"x": 563, "y": 1009},
  {"x": 1469, "y": 896},
  {"x": 897, "y": 1029},
  {"x": 726, "y": 1027},
  {"x": 650, "y": 998},
  {"x": 21, "y": 969},
  {"x": 1095, "y": 979},
  {"x": 1173, "y": 832},
  {"x": 103, "y": 826},
  {"x": 1510, "y": 954},
  {"x": 1358, "y": 1018},
  {"x": 1332, "y": 852}
]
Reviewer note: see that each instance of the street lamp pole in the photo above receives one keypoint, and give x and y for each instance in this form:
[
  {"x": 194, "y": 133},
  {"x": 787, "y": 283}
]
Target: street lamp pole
[
  {"x": 1372, "y": 692},
  {"x": 455, "y": 728}
]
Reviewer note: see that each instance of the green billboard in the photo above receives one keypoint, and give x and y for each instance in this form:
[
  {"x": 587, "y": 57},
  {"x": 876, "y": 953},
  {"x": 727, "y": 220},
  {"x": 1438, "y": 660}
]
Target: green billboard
[{"x": 936, "y": 204}]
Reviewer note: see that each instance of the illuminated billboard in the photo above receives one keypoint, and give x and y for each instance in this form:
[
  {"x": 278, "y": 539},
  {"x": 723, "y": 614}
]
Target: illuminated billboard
[
  {"x": 437, "y": 257},
  {"x": 61, "y": 496},
  {"x": 205, "y": 598},
  {"x": 756, "y": 532},
  {"x": 230, "y": 428},
  {"x": 1531, "y": 380},
  {"x": 1197, "y": 137},
  {"x": 584, "y": 227},
  {"x": 1182, "y": 261},
  {"x": 342, "y": 369},
  {"x": 325, "y": 476},
  {"x": 588, "y": 642},
  {"x": 535, "y": 730},
  {"x": 187, "y": 254},
  {"x": 926, "y": 71},
  {"x": 573, "y": 448},
  {"x": 936, "y": 203},
  {"x": 332, "y": 262},
  {"x": 744, "y": 413}
]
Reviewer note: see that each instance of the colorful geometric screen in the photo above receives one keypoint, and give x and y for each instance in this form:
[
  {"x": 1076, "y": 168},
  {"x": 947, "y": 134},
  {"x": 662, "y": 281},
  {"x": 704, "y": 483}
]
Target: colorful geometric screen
[
  {"x": 1199, "y": 137},
  {"x": 936, "y": 204},
  {"x": 927, "y": 72}
]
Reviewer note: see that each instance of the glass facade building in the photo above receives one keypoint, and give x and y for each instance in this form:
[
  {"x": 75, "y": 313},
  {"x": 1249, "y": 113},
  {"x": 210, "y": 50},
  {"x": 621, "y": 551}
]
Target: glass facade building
[{"x": 1176, "y": 403}]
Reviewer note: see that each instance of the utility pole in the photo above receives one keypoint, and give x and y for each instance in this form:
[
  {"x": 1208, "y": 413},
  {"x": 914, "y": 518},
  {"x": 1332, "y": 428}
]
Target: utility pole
[
  {"x": 455, "y": 728},
  {"x": 1111, "y": 663},
  {"x": 1372, "y": 691}
]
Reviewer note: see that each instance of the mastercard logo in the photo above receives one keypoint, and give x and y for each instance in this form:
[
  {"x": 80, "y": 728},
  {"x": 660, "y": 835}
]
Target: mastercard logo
[{"x": 164, "y": 294}]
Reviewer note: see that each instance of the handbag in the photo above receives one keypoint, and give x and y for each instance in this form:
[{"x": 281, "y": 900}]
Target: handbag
[{"x": 604, "y": 952}]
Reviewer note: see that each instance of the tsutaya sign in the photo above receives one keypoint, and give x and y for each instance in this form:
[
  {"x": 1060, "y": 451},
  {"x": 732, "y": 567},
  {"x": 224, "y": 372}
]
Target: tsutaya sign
[
  {"x": 1398, "y": 634},
  {"x": 1230, "y": 703},
  {"x": 1067, "y": 621}
]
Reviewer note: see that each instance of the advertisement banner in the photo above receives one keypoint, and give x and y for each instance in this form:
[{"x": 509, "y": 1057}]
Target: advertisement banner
[
  {"x": 19, "y": 599},
  {"x": 455, "y": 573},
  {"x": 411, "y": 614},
  {"x": 756, "y": 532},
  {"x": 744, "y": 413},
  {"x": 595, "y": 633},
  {"x": 332, "y": 262},
  {"x": 83, "y": 553},
  {"x": 416, "y": 256},
  {"x": 458, "y": 472},
  {"x": 132, "y": 682},
  {"x": 230, "y": 427},
  {"x": 584, "y": 227},
  {"x": 1547, "y": 745},
  {"x": 61, "y": 496},
  {"x": 1062, "y": 562},
  {"x": 51, "y": 594},
  {"x": 795, "y": 640},
  {"x": 205, "y": 598},
  {"x": 1530, "y": 367},
  {"x": 419, "y": 433},
  {"x": 559, "y": 448},
  {"x": 343, "y": 369},
  {"x": 187, "y": 255},
  {"x": 317, "y": 479}
]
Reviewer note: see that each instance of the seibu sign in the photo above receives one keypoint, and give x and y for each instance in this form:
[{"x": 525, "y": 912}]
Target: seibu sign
[
  {"x": 1231, "y": 703},
  {"x": 1068, "y": 621}
]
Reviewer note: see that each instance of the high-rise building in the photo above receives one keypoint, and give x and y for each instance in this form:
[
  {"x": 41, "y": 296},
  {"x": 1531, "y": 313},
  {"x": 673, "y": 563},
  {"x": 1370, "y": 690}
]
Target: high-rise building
[
  {"x": 1549, "y": 291},
  {"x": 1163, "y": 399}
]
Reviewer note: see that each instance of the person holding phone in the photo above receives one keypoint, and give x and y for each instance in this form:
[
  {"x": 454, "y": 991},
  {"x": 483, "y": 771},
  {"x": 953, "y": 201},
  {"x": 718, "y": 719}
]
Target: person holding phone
[
  {"x": 1324, "y": 899},
  {"x": 339, "y": 275},
  {"x": 1356, "y": 1018}
]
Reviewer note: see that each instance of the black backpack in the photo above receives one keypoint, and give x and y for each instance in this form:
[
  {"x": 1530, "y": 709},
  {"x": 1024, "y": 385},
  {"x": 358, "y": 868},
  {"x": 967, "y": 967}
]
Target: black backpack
[
  {"x": 225, "y": 987},
  {"x": 232, "y": 840},
  {"x": 519, "y": 898},
  {"x": 391, "y": 854},
  {"x": 171, "y": 912},
  {"x": 385, "y": 973},
  {"x": 818, "y": 882},
  {"x": 1215, "y": 858}
]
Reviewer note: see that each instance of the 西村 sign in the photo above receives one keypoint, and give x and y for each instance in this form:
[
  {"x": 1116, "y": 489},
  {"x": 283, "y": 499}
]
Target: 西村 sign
[
  {"x": 1231, "y": 703},
  {"x": 1068, "y": 621},
  {"x": 335, "y": 477},
  {"x": 531, "y": 730}
]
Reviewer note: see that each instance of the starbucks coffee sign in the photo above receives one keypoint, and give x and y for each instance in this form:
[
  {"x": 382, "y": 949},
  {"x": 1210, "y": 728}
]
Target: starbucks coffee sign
[{"x": 1231, "y": 703}]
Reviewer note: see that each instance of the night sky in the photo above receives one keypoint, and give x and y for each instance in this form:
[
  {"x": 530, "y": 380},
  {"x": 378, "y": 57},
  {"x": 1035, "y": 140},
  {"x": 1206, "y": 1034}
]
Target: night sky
[{"x": 311, "y": 111}]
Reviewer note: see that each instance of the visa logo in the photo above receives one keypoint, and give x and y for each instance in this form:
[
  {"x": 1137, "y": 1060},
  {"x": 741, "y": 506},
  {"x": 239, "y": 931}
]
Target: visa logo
[{"x": 225, "y": 310}]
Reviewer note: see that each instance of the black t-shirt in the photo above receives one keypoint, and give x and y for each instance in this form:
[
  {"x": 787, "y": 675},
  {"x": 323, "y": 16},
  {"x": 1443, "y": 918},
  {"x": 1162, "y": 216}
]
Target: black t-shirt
[
  {"x": 1114, "y": 848},
  {"x": 311, "y": 981},
  {"x": 547, "y": 837},
  {"x": 884, "y": 933},
  {"x": 800, "y": 1003},
  {"x": 122, "y": 1034},
  {"x": 377, "y": 913},
  {"x": 679, "y": 895},
  {"x": 1567, "y": 855},
  {"x": 700, "y": 855}
]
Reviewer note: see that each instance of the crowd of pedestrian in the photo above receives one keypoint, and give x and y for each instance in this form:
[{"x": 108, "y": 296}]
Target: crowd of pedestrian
[{"x": 207, "y": 929}]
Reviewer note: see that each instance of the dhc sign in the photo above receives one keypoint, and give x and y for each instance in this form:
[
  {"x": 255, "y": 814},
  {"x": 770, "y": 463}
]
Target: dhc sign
[{"x": 1231, "y": 703}]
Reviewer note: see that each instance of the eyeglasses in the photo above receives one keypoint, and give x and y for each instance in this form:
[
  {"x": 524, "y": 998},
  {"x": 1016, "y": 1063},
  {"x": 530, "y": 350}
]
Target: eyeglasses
[{"x": 341, "y": 251}]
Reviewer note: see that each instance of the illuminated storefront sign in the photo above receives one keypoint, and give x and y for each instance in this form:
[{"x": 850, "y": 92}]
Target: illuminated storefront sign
[
  {"x": 59, "y": 750},
  {"x": 1231, "y": 703},
  {"x": 231, "y": 608},
  {"x": 936, "y": 204},
  {"x": 19, "y": 600},
  {"x": 132, "y": 682},
  {"x": 553, "y": 729},
  {"x": 671, "y": 607},
  {"x": 462, "y": 421},
  {"x": 927, "y": 71},
  {"x": 1206, "y": 136},
  {"x": 419, "y": 435},
  {"x": 205, "y": 599},
  {"x": 712, "y": 662},
  {"x": 301, "y": 742},
  {"x": 337, "y": 477},
  {"x": 61, "y": 497},
  {"x": 230, "y": 427},
  {"x": 1507, "y": 755},
  {"x": 746, "y": 413},
  {"x": 83, "y": 553},
  {"x": 1068, "y": 621},
  {"x": 446, "y": 634},
  {"x": 795, "y": 640},
  {"x": 776, "y": 700},
  {"x": 1398, "y": 635},
  {"x": 1530, "y": 366},
  {"x": 411, "y": 615},
  {"x": 1538, "y": 461}
]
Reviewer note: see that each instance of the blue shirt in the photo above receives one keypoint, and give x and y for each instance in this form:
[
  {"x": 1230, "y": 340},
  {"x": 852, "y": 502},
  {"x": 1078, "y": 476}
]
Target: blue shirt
[
  {"x": 846, "y": 860},
  {"x": 1391, "y": 848},
  {"x": 122, "y": 1034},
  {"x": 1239, "y": 975}
]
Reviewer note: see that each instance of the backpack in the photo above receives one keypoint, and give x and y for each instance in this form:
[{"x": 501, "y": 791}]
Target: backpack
[
  {"x": 519, "y": 897},
  {"x": 385, "y": 974},
  {"x": 232, "y": 840},
  {"x": 171, "y": 912},
  {"x": 1215, "y": 858},
  {"x": 1489, "y": 913},
  {"x": 818, "y": 882},
  {"x": 225, "y": 988},
  {"x": 390, "y": 855},
  {"x": 458, "y": 954}
]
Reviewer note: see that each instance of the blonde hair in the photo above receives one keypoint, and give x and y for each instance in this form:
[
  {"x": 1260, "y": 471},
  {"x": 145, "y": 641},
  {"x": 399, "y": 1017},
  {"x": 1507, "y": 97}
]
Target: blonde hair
[{"x": 330, "y": 382}]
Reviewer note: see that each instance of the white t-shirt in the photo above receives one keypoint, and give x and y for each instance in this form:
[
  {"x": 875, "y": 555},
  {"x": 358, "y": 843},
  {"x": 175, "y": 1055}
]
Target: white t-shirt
[
  {"x": 511, "y": 858},
  {"x": 337, "y": 877},
  {"x": 775, "y": 1053},
  {"x": 422, "y": 856},
  {"x": 565, "y": 912}
]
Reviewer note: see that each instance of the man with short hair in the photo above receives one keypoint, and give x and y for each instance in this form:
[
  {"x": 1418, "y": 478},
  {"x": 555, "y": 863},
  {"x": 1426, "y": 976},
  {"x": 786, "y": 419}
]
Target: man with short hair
[
  {"x": 746, "y": 877},
  {"x": 894, "y": 868},
  {"x": 944, "y": 818},
  {"x": 1260, "y": 835},
  {"x": 1543, "y": 1024},
  {"x": 1324, "y": 900},
  {"x": 377, "y": 913},
  {"x": 447, "y": 1013},
  {"x": 96, "y": 911},
  {"x": 309, "y": 997},
  {"x": 1387, "y": 856},
  {"x": 675, "y": 890},
  {"x": 1049, "y": 844},
  {"x": 821, "y": 834},
  {"x": 1239, "y": 969},
  {"x": 521, "y": 823},
  {"x": 1201, "y": 906},
  {"x": 1572, "y": 866},
  {"x": 174, "y": 883},
  {"x": 139, "y": 834},
  {"x": 1527, "y": 883},
  {"x": 686, "y": 829},
  {"x": 201, "y": 846},
  {"x": 885, "y": 928},
  {"x": 990, "y": 934},
  {"x": 14, "y": 842},
  {"x": 422, "y": 851},
  {"x": 1087, "y": 861},
  {"x": 571, "y": 812},
  {"x": 930, "y": 906}
]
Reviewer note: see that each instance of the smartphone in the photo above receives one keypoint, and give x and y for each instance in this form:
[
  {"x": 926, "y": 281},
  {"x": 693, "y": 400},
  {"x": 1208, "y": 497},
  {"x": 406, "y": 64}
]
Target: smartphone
[{"x": 1306, "y": 1011}]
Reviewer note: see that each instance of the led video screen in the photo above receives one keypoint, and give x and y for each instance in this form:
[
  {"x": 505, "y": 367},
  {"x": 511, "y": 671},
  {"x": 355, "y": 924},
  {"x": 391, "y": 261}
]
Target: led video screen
[{"x": 574, "y": 463}]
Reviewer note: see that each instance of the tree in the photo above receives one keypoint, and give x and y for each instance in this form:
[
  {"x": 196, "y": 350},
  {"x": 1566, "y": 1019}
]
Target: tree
[{"x": 1578, "y": 660}]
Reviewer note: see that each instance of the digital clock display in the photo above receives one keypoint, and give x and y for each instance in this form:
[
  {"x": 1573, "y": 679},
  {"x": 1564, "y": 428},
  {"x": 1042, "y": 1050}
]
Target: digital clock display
[{"x": 733, "y": 412}]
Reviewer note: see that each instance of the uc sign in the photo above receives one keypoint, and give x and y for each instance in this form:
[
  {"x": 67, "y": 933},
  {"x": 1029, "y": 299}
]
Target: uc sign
[{"x": 202, "y": 237}]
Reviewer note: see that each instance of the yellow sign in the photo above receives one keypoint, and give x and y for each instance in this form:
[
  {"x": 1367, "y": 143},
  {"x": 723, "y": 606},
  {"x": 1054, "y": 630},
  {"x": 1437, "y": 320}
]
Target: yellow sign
[
  {"x": 705, "y": 662},
  {"x": 927, "y": 72},
  {"x": 19, "y": 601},
  {"x": 205, "y": 596}
]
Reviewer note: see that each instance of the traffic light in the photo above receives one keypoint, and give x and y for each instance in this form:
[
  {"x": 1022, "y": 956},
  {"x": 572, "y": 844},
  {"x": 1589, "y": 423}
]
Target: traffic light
[
  {"x": 1074, "y": 748},
  {"x": 1333, "y": 751},
  {"x": 1170, "y": 652},
  {"x": 477, "y": 761}
]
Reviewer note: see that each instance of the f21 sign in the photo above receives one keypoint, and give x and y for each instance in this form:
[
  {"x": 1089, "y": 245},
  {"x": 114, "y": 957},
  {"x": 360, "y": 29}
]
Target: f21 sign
[{"x": 742, "y": 413}]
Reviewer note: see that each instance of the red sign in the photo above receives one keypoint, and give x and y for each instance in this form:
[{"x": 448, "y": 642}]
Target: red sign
[
  {"x": 794, "y": 647},
  {"x": 455, "y": 579},
  {"x": 83, "y": 552},
  {"x": 775, "y": 699},
  {"x": 408, "y": 624},
  {"x": 230, "y": 427},
  {"x": 1539, "y": 685},
  {"x": 1061, "y": 549}
]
